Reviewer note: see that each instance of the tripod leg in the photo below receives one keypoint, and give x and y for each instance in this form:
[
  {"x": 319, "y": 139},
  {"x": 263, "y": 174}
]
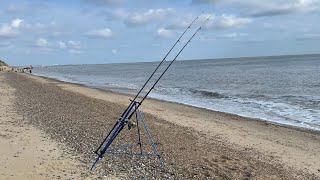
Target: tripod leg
[
  {"x": 153, "y": 144},
  {"x": 139, "y": 139}
]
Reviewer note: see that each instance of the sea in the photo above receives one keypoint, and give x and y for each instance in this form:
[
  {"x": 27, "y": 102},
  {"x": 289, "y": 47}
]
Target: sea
[{"x": 280, "y": 89}]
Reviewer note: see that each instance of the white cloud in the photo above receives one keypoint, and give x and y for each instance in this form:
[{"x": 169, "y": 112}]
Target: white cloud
[
  {"x": 74, "y": 51},
  {"x": 164, "y": 33},
  {"x": 7, "y": 31},
  {"x": 61, "y": 45},
  {"x": 16, "y": 23},
  {"x": 150, "y": 16},
  {"x": 234, "y": 35},
  {"x": 206, "y": 38},
  {"x": 10, "y": 30},
  {"x": 179, "y": 24},
  {"x": 74, "y": 44},
  {"x": 100, "y": 33},
  {"x": 137, "y": 18},
  {"x": 223, "y": 21},
  {"x": 273, "y": 8},
  {"x": 42, "y": 43},
  {"x": 71, "y": 46},
  {"x": 228, "y": 21},
  {"x": 267, "y": 7},
  {"x": 105, "y": 2}
]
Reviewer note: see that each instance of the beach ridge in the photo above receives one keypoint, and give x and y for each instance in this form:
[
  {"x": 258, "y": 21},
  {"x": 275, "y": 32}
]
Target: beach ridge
[{"x": 233, "y": 146}]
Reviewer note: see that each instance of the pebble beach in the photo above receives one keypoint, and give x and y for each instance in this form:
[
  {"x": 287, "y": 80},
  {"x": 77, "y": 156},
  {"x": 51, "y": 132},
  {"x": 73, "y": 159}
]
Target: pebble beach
[{"x": 194, "y": 143}]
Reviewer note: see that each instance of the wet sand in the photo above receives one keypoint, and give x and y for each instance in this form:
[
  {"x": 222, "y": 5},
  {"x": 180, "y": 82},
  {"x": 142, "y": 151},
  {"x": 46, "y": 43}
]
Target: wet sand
[{"x": 194, "y": 143}]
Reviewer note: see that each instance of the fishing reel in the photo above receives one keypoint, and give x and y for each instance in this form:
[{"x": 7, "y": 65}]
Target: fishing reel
[{"x": 131, "y": 123}]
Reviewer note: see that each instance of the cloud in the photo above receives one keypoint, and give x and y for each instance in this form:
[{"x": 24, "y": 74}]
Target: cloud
[
  {"x": 42, "y": 43},
  {"x": 61, "y": 45},
  {"x": 74, "y": 44},
  {"x": 266, "y": 7},
  {"x": 10, "y": 30},
  {"x": 135, "y": 18},
  {"x": 150, "y": 16},
  {"x": 71, "y": 46},
  {"x": 74, "y": 51},
  {"x": 228, "y": 21},
  {"x": 105, "y": 2},
  {"x": 100, "y": 33},
  {"x": 179, "y": 24},
  {"x": 234, "y": 35},
  {"x": 274, "y": 8},
  {"x": 223, "y": 21},
  {"x": 114, "y": 51},
  {"x": 7, "y": 31},
  {"x": 164, "y": 33},
  {"x": 16, "y": 23},
  {"x": 49, "y": 29}
]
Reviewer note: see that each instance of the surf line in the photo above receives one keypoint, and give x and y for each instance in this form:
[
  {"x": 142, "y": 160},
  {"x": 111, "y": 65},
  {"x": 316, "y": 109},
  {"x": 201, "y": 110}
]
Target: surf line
[{"x": 133, "y": 109}]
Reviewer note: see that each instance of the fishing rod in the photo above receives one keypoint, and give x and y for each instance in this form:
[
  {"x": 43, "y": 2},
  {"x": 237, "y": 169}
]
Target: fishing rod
[
  {"x": 165, "y": 57},
  {"x": 133, "y": 105},
  {"x": 139, "y": 104}
]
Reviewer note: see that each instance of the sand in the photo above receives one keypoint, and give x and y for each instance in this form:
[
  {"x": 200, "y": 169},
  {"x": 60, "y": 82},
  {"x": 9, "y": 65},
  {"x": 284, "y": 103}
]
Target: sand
[
  {"x": 26, "y": 152},
  {"x": 70, "y": 120}
]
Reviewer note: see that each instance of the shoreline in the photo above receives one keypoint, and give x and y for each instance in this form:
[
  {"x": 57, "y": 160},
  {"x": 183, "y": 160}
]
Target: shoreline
[
  {"x": 206, "y": 144},
  {"x": 300, "y": 128}
]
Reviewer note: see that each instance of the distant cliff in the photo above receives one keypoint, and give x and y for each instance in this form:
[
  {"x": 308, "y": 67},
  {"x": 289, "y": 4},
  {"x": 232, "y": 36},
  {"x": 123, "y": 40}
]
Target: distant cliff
[{"x": 2, "y": 63}]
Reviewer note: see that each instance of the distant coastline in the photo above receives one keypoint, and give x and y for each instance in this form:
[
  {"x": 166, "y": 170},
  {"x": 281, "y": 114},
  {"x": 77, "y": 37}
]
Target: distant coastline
[
  {"x": 254, "y": 57},
  {"x": 179, "y": 60}
]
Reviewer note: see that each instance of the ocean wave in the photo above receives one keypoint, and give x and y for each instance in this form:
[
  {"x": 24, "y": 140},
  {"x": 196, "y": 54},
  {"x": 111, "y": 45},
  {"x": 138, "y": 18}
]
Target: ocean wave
[
  {"x": 122, "y": 86},
  {"x": 209, "y": 94},
  {"x": 192, "y": 92}
]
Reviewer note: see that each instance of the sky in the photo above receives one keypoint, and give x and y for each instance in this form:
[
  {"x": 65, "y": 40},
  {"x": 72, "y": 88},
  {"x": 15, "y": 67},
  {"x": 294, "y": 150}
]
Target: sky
[{"x": 44, "y": 32}]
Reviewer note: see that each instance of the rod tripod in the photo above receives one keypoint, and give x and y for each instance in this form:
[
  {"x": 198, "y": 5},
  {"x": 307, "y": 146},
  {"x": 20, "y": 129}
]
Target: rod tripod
[
  {"x": 133, "y": 110},
  {"x": 121, "y": 150}
]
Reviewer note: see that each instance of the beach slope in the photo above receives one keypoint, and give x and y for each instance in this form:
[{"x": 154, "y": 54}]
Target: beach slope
[{"x": 194, "y": 143}]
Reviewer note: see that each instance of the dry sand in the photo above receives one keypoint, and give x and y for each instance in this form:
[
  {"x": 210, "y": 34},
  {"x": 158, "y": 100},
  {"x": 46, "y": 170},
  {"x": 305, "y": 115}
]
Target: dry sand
[
  {"x": 26, "y": 152},
  {"x": 195, "y": 143}
]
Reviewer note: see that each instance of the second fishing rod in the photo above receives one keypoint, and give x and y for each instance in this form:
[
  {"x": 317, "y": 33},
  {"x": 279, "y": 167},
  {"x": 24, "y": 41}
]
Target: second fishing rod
[
  {"x": 139, "y": 104},
  {"x": 127, "y": 111},
  {"x": 133, "y": 106},
  {"x": 153, "y": 73}
]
